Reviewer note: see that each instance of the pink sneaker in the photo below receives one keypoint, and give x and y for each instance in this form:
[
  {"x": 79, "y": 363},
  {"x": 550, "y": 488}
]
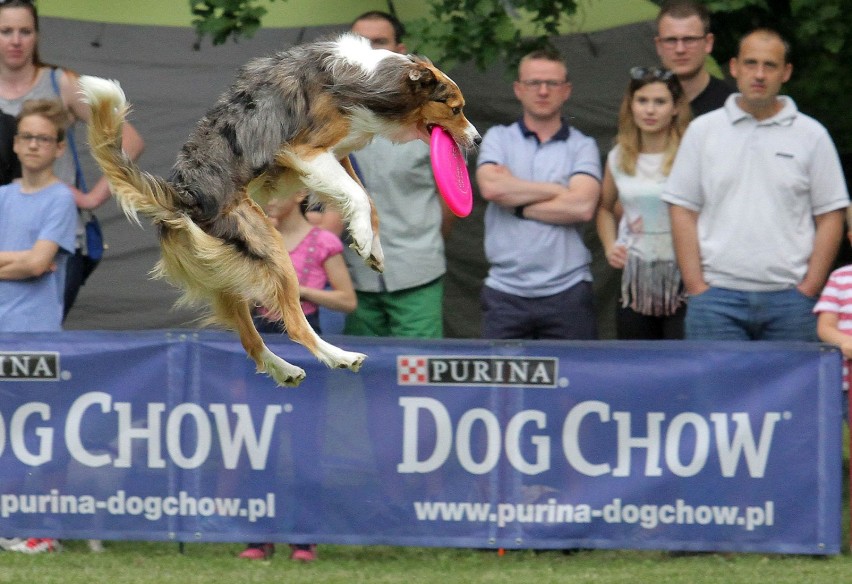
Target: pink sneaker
[
  {"x": 302, "y": 554},
  {"x": 35, "y": 545},
  {"x": 264, "y": 552}
]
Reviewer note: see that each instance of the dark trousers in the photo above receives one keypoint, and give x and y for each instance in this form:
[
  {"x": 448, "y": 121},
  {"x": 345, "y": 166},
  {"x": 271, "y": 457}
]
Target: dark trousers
[
  {"x": 267, "y": 326},
  {"x": 567, "y": 315},
  {"x": 633, "y": 326}
]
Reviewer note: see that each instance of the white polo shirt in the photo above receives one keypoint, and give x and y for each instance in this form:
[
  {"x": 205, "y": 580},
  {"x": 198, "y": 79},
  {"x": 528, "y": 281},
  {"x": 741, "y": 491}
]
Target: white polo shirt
[{"x": 757, "y": 185}]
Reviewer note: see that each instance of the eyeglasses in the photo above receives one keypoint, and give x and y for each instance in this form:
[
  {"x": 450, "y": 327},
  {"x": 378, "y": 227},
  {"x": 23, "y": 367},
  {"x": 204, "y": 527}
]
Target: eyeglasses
[
  {"x": 640, "y": 73},
  {"x": 536, "y": 83},
  {"x": 688, "y": 41},
  {"x": 40, "y": 139}
]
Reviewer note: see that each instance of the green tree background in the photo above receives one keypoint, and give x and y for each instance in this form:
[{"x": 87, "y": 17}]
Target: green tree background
[{"x": 489, "y": 31}]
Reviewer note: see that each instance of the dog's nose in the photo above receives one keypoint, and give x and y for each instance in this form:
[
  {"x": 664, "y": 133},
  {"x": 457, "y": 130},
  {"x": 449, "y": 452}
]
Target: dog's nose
[{"x": 477, "y": 140}]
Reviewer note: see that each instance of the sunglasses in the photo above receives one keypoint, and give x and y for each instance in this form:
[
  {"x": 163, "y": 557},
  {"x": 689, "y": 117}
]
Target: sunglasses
[{"x": 641, "y": 73}]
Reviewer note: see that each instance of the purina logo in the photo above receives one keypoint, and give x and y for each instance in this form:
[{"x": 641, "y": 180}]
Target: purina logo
[
  {"x": 33, "y": 366},
  {"x": 490, "y": 371}
]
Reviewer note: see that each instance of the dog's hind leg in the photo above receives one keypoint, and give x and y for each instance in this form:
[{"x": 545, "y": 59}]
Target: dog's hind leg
[
  {"x": 300, "y": 331},
  {"x": 233, "y": 311}
]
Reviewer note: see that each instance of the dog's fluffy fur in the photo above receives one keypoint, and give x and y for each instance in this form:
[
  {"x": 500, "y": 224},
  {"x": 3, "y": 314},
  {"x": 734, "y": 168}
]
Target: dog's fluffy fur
[{"x": 287, "y": 123}]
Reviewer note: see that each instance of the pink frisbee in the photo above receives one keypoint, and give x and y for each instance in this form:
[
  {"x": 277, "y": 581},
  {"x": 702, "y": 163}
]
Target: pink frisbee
[{"x": 450, "y": 170}]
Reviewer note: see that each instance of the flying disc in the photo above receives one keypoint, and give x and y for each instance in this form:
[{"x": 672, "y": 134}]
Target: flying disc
[{"x": 450, "y": 170}]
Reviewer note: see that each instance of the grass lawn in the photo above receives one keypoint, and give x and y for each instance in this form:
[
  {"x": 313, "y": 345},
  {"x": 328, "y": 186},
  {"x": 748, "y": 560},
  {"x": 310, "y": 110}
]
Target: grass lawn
[{"x": 161, "y": 563}]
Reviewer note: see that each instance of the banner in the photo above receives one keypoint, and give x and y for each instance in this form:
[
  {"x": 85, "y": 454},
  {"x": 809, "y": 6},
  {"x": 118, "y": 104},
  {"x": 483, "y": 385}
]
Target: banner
[{"x": 171, "y": 435}]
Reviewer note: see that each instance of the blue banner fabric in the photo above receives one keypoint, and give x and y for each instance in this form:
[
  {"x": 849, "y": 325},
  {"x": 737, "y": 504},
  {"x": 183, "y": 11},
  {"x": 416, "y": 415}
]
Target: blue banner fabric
[{"x": 170, "y": 435}]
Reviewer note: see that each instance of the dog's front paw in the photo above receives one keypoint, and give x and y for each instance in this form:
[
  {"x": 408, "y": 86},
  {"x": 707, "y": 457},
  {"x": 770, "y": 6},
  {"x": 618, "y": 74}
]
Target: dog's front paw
[
  {"x": 362, "y": 238},
  {"x": 377, "y": 257}
]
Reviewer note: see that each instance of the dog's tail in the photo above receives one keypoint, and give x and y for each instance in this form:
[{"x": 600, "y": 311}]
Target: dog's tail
[{"x": 136, "y": 191}]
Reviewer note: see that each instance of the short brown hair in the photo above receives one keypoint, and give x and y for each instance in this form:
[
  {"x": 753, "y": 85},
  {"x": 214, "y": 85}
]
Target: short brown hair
[
  {"x": 685, "y": 9},
  {"x": 770, "y": 33},
  {"x": 50, "y": 109},
  {"x": 546, "y": 55}
]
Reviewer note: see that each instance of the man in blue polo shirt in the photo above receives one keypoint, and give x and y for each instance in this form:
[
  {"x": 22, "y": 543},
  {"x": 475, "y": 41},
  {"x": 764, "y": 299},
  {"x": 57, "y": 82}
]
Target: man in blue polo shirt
[{"x": 542, "y": 180}]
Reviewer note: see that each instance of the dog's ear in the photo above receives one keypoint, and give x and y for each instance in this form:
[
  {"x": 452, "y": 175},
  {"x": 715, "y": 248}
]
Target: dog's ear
[
  {"x": 424, "y": 82},
  {"x": 421, "y": 77}
]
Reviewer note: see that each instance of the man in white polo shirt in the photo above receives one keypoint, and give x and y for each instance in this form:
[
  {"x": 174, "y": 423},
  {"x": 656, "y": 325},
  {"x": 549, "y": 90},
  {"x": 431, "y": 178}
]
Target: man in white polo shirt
[{"x": 757, "y": 199}]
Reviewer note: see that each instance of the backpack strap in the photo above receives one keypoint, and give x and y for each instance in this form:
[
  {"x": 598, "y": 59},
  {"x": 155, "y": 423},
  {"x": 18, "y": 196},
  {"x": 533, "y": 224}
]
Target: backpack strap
[{"x": 79, "y": 179}]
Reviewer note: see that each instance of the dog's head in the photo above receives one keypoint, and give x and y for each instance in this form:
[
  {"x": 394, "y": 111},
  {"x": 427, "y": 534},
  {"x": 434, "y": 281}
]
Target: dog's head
[
  {"x": 441, "y": 103},
  {"x": 406, "y": 94}
]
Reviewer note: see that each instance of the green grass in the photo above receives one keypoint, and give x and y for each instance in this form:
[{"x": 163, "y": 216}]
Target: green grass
[{"x": 144, "y": 563}]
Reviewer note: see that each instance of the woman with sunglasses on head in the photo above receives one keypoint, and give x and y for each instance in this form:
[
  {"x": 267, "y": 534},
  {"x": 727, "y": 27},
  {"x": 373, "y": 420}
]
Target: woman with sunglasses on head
[
  {"x": 24, "y": 76},
  {"x": 632, "y": 221}
]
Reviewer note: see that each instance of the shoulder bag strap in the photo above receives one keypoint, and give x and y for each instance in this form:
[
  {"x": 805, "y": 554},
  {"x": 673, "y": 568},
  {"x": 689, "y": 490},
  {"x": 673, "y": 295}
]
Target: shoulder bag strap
[{"x": 78, "y": 171}]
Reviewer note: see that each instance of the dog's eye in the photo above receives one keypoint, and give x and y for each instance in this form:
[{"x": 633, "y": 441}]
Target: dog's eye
[{"x": 456, "y": 110}]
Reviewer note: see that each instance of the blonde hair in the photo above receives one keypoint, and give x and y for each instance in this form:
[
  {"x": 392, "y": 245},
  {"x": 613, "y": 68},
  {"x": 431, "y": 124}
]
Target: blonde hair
[
  {"x": 51, "y": 109},
  {"x": 629, "y": 137}
]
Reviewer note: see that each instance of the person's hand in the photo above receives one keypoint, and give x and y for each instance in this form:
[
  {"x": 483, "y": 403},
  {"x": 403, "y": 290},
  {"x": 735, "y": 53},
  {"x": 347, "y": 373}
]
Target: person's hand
[
  {"x": 808, "y": 291},
  {"x": 846, "y": 348},
  {"x": 616, "y": 256},
  {"x": 697, "y": 289}
]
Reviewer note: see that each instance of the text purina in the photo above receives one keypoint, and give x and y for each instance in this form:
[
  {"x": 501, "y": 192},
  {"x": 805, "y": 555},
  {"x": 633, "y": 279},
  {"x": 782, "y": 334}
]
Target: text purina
[
  {"x": 538, "y": 372},
  {"x": 21, "y": 366}
]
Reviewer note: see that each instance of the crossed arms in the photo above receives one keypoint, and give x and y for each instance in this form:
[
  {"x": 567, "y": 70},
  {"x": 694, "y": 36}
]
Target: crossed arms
[
  {"x": 29, "y": 263},
  {"x": 542, "y": 201}
]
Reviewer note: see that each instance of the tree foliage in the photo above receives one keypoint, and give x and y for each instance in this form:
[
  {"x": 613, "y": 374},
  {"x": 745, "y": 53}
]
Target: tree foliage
[
  {"x": 820, "y": 35},
  {"x": 488, "y": 31},
  {"x": 227, "y": 19}
]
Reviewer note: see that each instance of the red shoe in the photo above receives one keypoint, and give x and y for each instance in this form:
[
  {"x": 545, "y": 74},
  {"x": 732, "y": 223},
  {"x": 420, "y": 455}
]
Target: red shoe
[
  {"x": 303, "y": 553},
  {"x": 262, "y": 552},
  {"x": 36, "y": 545}
]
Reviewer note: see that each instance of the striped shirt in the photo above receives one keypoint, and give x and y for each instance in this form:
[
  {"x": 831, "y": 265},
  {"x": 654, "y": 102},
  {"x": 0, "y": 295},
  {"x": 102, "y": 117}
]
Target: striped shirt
[{"x": 837, "y": 298}]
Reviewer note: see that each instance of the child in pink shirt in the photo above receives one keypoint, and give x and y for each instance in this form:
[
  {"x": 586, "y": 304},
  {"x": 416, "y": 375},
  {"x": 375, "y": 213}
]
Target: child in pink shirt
[{"x": 317, "y": 258}]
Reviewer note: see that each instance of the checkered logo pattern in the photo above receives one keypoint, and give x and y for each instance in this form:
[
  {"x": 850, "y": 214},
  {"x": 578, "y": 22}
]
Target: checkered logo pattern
[{"x": 411, "y": 370}]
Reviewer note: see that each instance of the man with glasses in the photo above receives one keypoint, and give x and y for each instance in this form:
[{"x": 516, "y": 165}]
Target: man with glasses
[
  {"x": 683, "y": 43},
  {"x": 542, "y": 180},
  {"x": 756, "y": 198}
]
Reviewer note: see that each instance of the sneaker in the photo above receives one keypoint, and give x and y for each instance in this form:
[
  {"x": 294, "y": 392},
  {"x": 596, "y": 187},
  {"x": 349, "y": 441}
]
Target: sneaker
[
  {"x": 36, "y": 545},
  {"x": 303, "y": 553},
  {"x": 263, "y": 551},
  {"x": 7, "y": 543}
]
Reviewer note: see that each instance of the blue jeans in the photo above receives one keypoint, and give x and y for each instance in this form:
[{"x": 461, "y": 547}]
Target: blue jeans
[{"x": 720, "y": 314}]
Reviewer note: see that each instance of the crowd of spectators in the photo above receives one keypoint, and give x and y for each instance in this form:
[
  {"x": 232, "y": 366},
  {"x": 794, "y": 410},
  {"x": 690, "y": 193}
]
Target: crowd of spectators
[{"x": 718, "y": 202}]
